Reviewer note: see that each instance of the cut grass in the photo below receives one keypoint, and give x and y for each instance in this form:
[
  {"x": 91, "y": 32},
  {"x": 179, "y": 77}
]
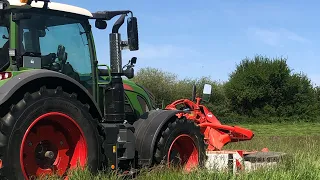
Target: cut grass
[
  {"x": 284, "y": 129},
  {"x": 301, "y": 141}
]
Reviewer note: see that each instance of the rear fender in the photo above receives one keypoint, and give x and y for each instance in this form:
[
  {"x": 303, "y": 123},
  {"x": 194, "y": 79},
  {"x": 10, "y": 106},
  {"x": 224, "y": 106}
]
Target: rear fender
[
  {"x": 30, "y": 81},
  {"x": 147, "y": 129}
]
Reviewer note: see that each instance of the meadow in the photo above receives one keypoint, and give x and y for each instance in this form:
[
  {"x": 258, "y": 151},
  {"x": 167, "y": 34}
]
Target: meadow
[{"x": 301, "y": 141}]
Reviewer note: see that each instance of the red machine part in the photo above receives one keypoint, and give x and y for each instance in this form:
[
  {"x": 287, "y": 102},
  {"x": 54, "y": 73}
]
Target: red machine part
[
  {"x": 216, "y": 134},
  {"x": 52, "y": 144}
]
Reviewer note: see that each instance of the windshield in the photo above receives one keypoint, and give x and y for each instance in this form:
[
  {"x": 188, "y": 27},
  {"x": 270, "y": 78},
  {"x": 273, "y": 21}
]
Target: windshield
[
  {"x": 4, "y": 43},
  {"x": 49, "y": 36}
]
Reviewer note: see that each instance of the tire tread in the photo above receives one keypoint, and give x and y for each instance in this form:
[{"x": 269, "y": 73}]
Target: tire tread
[{"x": 8, "y": 121}]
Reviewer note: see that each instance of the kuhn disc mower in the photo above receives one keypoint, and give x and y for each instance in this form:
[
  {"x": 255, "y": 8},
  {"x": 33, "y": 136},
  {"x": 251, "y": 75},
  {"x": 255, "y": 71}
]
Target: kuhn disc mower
[{"x": 216, "y": 135}]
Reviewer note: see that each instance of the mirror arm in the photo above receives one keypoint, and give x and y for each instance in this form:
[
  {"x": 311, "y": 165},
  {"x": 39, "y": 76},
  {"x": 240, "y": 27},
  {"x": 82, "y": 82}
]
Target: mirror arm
[
  {"x": 118, "y": 24},
  {"x": 108, "y": 15}
]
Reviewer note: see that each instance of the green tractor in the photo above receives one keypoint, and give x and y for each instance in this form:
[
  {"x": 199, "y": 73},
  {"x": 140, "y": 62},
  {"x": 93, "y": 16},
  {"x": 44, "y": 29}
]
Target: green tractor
[{"x": 60, "y": 109}]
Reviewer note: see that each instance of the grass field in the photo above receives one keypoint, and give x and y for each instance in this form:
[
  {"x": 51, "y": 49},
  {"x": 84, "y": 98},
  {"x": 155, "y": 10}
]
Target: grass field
[{"x": 301, "y": 141}]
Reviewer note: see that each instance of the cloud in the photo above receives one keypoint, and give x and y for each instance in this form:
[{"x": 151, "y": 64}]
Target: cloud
[{"x": 276, "y": 37}]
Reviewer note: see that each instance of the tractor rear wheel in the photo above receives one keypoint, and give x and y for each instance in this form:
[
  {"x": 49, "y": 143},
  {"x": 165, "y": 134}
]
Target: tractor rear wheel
[
  {"x": 181, "y": 144},
  {"x": 48, "y": 132}
]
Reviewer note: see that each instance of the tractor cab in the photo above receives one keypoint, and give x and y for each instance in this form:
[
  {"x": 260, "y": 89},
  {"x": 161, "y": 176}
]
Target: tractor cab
[{"x": 58, "y": 37}]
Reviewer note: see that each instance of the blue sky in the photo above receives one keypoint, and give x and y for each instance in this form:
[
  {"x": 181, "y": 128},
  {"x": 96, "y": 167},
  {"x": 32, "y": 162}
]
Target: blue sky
[{"x": 209, "y": 37}]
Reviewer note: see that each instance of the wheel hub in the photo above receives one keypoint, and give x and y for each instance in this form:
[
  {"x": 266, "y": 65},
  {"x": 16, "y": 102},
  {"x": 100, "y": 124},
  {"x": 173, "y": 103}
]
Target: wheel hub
[
  {"x": 184, "y": 152},
  {"x": 45, "y": 154},
  {"x": 52, "y": 144},
  {"x": 49, "y": 154}
]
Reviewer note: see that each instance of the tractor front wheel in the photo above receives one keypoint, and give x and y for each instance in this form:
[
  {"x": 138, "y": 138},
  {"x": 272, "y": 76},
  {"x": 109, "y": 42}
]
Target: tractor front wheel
[
  {"x": 181, "y": 144},
  {"x": 48, "y": 132}
]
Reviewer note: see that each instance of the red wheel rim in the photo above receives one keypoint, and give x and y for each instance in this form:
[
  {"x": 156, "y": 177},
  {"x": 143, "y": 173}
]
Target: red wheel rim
[
  {"x": 184, "y": 152},
  {"x": 52, "y": 144}
]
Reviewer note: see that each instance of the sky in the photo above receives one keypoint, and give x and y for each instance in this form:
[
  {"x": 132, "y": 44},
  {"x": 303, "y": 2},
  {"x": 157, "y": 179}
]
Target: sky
[{"x": 210, "y": 37}]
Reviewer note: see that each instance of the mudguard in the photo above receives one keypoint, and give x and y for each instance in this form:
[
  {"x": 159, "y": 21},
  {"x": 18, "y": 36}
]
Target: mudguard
[
  {"x": 147, "y": 129},
  {"x": 18, "y": 81}
]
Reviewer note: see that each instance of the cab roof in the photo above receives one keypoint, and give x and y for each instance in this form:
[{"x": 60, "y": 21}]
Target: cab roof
[{"x": 54, "y": 6}]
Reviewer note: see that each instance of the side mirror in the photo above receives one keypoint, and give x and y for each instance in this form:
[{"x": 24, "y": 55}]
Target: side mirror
[
  {"x": 100, "y": 24},
  {"x": 206, "y": 92},
  {"x": 129, "y": 73},
  {"x": 133, "y": 60},
  {"x": 133, "y": 37}
]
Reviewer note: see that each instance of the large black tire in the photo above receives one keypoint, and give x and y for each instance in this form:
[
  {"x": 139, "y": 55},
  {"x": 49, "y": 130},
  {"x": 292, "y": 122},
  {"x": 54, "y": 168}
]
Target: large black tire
[
  {"x": 180, "y": 128},
  {"x": 45, "y": 101}
]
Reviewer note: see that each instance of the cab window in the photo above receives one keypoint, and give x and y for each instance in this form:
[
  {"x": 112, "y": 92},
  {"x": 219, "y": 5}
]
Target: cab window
[
  {"x": 48, "y": 36},
  {"x": 4, "y": 42},
  {"x": 130, "y": 113},
  {"x": 143, "y": 104}
]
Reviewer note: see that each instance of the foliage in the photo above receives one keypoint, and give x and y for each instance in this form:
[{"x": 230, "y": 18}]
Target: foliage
[
  {"x": 258, "y": 89},
  {"x": 160, "y": 83},
  {"x": 265, "y": 87}
]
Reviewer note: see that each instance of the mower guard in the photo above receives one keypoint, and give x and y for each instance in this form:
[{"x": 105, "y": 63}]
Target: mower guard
[{"x": 220, "y": 135}]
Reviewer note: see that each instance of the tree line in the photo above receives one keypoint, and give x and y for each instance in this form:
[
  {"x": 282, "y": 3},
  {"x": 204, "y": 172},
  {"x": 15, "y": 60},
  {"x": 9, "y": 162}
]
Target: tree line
[{"x": 260, "y": 89}]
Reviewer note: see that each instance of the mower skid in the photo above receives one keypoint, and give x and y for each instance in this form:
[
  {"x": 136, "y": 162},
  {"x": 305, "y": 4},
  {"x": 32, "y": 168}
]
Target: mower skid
[{"x": 240, "y": 160}]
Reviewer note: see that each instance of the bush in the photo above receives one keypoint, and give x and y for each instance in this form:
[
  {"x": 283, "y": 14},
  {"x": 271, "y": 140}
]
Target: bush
[
  {"x": 158, "y": 82},
  {"x": 260, "y": 89},
  {"x": 264, "y": 87}
]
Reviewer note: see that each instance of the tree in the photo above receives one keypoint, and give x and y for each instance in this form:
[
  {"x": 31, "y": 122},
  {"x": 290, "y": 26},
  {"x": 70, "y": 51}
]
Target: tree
[
  {"x": 166, "y": 87},
  {"x": 266, "y": 87},
  {"x": 160, "y": 83}
]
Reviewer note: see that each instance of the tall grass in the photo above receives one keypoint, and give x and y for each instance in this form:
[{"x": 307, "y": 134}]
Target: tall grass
[{"x": 302, "y": 162}]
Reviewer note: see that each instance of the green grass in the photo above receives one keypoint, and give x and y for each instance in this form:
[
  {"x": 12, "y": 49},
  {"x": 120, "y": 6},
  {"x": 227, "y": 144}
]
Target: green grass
[
  {"x": 284, "y": 129},
  {"x": 301, "y": 142}
]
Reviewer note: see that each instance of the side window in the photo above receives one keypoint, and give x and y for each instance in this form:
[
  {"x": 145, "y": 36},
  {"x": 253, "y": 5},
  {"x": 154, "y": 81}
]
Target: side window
[
  {"x": 4, "y": 45},
  {"x": 127, "y": 105},
  {"x": 131, "y": 115},
  {"x": 143, "y": 104},
  {"x": 75, "y": 41},
  {"x": 4, "y": 35}
]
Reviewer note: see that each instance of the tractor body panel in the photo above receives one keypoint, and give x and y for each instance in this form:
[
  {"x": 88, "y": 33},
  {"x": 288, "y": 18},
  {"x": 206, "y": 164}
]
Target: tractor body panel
[
  {"x": 3, "y": 82},
  {"x": 54, "y": 6},
  {"x": 10, "y": 86}
]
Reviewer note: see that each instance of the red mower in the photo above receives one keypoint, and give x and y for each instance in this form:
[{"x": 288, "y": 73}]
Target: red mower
[{"x": 216, "y": 134}]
